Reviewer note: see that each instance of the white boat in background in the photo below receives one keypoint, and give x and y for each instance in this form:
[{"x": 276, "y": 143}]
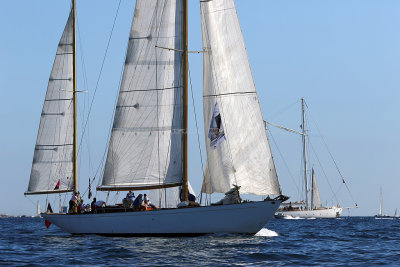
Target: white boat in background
[
  {"x": 38, "y": 212},
  {"x": 380, "y": 213},
  {"x": 303, "y": 208},
  {"x": 148, "y": 144}
]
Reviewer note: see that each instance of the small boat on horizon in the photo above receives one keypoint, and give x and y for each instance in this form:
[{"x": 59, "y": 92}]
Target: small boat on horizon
[{"x": 380, "y": 214}]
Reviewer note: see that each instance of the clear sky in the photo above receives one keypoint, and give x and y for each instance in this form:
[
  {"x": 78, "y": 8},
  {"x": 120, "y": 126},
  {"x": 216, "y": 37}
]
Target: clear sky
[{"x": 342, "y": 56}]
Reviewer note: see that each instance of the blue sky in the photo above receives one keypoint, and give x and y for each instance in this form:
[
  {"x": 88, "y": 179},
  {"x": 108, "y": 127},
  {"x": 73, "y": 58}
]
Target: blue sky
[{"x": 342, "y": 56}]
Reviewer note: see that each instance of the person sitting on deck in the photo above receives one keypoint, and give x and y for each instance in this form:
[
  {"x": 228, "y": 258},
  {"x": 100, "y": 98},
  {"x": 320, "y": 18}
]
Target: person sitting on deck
[
  {"x": 128, "y": 201},
  {"x": 73, "y": 203},
  {"x": 130, "y": 195},
  {"x": 99, "y": 205},
  {"x": 80, "y": 205},
  {"x": 92, "y": 206},
  {"x": 138, "y": 203},
  {"x": 148, "y": 203}
]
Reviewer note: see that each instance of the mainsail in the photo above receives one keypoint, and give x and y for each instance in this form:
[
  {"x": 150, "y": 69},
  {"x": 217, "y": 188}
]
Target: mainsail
[
  {"x": 145, "y": 149},
  {"x": 315, "y": 197},
  {"x": 52, "y": 166},
  {"x": 243, "y": 157}
]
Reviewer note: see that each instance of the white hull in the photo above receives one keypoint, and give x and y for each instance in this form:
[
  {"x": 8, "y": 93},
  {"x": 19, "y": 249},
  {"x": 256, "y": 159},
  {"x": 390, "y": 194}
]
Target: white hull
[
  {"x": 328, "y": 212},
  {"x": 245, "y": 218}
]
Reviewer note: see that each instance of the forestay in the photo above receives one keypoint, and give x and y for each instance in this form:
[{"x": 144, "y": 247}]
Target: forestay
[
  {"x": 52, "y": 167},
  {"x": 315, "y": 196},
  {"x": 146, "y": 141},
  {"x": 243, "y": 155}
]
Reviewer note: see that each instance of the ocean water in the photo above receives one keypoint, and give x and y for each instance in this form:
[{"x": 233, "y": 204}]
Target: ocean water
[{"x": 345, "y": 241}]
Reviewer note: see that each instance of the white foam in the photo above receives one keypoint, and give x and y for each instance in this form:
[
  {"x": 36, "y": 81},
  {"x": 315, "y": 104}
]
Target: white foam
[
  {"x": 292, "y": 218},
  {"x": 266, "y": 232}
]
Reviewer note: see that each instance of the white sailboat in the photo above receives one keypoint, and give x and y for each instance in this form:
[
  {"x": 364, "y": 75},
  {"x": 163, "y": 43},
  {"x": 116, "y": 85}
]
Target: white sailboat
[
  {"x": 380, "y": 214},
  {"x": 148, "y": 145},
  {"x": 303, "y": 209},
  {"x": 38, "y": 212}
]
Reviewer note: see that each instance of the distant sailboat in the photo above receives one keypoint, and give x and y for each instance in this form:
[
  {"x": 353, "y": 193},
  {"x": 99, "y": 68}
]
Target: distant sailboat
[
  {"x": 380, "y": 214},
  {"x": 303, "y": 209},
  {"x": 148, "y": 146},
  {"x": 38, "y": 209}
]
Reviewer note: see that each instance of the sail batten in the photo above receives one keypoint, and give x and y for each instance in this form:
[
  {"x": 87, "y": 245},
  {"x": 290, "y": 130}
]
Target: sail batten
[
  {"x": 52, "y": 165},
  {"x": 243, "y": 155},
  {"x": 146, "y": 138}
]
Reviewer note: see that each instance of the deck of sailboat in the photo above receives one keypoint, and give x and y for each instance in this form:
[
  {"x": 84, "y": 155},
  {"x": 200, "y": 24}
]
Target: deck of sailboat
[{"x": 119, "y": 209}]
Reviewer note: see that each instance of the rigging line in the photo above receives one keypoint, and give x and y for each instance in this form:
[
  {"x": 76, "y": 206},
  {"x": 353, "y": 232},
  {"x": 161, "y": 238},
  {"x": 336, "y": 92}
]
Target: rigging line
[
  {"x": 195, "y": 119},
  {"x": 102, "y": 162},
  {"x": 109, "y": 134},
  {"x": 284, "y": 161},
  {"x": 323, "y": 170},
  {"x": 86, "y": 103},
  {"x": 334, "y": 161},
  {"x": 26, "y": 196},
  {"x": 340, "y": 187},
  {"x": 281, "y": 111},
  {"x": 98, "y": 78}
]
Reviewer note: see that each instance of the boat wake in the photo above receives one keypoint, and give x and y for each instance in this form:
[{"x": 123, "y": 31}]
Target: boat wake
[
  {"x": 292, "y": 218},
  {"x": 267, "y": 232}
]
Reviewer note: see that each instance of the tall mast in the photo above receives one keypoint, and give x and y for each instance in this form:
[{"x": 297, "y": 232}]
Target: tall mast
[
  {"x": 305, "y": 150},
  {"x": 75, "y": 151},
  {"x": 380, "y": 204},
  {"x": 185, "y": 98}
]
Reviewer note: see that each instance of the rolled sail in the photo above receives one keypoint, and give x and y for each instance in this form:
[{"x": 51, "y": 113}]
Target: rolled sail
[
  {"x": 52, "y": 166},
  {"x": 145, "y": 149},
  {"x": 238, "y": 150}
]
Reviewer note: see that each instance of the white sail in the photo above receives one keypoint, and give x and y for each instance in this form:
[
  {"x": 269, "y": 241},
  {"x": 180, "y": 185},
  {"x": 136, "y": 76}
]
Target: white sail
[
  {"x": 52, "y": 166},
  {"x": 146, "y": 141},
  {"x": 315, "y": 196},
  {"x": 242, "y": 155}
]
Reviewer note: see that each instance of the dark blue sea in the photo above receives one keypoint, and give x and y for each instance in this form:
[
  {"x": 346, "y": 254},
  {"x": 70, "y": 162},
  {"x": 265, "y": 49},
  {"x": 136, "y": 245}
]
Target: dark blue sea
[{"x": 345, "y": 241}]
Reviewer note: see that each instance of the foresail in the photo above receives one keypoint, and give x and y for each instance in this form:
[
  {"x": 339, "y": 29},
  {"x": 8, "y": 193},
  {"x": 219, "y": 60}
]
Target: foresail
[
  {"x": 52, "y": 167},
  {"x": 315, "y": 197},
  {"x": 242, "y": 154},
  {"x": 146, "y": 140}
]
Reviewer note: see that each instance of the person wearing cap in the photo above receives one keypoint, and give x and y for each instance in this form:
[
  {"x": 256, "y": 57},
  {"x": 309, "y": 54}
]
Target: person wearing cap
[{"x": 147, "y": 202}]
